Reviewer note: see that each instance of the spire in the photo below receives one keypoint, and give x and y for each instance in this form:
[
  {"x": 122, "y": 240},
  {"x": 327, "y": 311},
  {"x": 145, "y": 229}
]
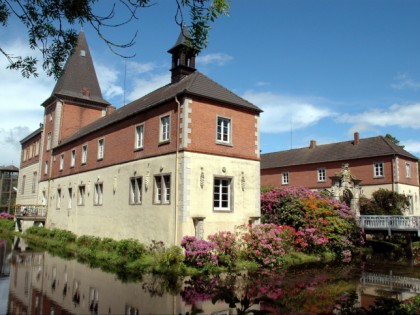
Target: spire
[
  {"x": 79, "y": 79},
  {"x": 183, "y": 57}
]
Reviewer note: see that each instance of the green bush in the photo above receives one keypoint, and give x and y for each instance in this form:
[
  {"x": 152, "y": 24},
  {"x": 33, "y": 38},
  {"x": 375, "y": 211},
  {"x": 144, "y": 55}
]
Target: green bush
[
  {"x": 384, "y": 202},
  {"x": 91, "y": 242},
  {"x": 7, "y": 225},
  {"x": 131, "y": 249}
]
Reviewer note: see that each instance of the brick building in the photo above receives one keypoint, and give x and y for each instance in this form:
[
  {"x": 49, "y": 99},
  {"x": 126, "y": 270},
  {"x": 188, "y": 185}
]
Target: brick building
[
  {"x": 182, "y": 160},
  {"x": 347, "y": 169}
]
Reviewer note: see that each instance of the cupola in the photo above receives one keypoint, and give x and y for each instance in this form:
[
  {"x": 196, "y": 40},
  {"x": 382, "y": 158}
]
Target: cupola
[{"x": 183, "y": 57}]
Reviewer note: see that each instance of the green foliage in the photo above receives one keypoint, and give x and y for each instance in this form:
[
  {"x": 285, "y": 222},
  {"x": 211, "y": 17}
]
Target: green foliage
[
  {"x": 6, "y": 226},
  {"x": 384, "y": 202},
  {"x": 51, "y": 26},
  {"x": 132, "y": 249}
]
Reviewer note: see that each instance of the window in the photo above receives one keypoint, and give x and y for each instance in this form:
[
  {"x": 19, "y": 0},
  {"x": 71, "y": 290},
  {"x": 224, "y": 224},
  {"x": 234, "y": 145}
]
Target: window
[
  {"x": 34, "y": 181},
  {"x": 73, "y": 158},
  {"x": 101, "y": 143},
  {"x": 31, "y": 151},
  {"x": 84, "y": 154},
  {"x": 322, "y": 174},
  {"x": 98, "y": 196},
  {"x": 37, "y": 148},
  {"x": 223, "y": 130},
  {"x": 407, "y": 170},
  {"x": 410, "y": 204},
  {"x": 81, "y": 196},
  {"x": 24, "y": 155},
  {"x": 69, "y": 205},
  {"x": 221, "y": 194},
  {"x": 164, "y": 128},
  {"x": 139, "y": 136},
  {"x": 61, "y": 162},
  {"x": 285, "y": 178},
  {"x": 46, "y": 168},
  {"x": 135, "y": 190},
  {"x": 162, "y": 189},
  {"x": 49, "y": 141},
  {"x": 378, "y": 170},
  {"x": 58, "y": 198},
  {"x": 22, "y": 188}
]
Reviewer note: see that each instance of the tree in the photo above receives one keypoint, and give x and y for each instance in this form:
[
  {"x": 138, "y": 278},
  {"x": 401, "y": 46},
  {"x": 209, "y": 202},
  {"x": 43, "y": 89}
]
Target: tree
[
  {"x": 50, "y": 25},
  {"x": 393, "y": 139},
  {"x": 384, "y": 202}
]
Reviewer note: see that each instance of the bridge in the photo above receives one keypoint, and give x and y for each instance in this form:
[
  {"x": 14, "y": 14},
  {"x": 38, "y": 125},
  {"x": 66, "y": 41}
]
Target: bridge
[
  {"x": 389, "y": 224},
  {"x": 391, "y": 281}
]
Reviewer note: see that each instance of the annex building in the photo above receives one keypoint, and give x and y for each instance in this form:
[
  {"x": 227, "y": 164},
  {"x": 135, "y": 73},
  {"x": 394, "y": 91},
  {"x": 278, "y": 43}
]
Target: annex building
[
  {"x": 348, "y": 169},
  {"x": 182, "y": 160}
]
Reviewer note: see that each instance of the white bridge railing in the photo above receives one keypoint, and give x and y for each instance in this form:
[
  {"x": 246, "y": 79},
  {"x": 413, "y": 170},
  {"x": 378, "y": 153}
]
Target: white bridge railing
[
  {"x": 390, "y": 223},
  {"x": 391, "y": 281}
]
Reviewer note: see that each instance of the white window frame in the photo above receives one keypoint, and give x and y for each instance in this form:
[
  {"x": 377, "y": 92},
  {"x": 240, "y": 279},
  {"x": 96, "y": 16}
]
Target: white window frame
[
  {"x": 46, "y": 168},
  {"x": 101, "y": 148},
  {"x": 139, "y": 137},
  {"x": 378, "y": 170},
  {"x": 22, "y": 188},
  {"x": 98, "y": 196},
  {"x": 407, "y": 170},
  {"x": 322, "y": 174},
  {"x": 224, "y": 130},
  {"x": 61, "y": 161},
  {"x": 58, "y": 206},
  {"x": 165, "y": 128},
  {"x": 84, "y": 154},
  {"x": 73, "y": 158},
  {"x": 162, "y": 193},
  {"x": 34, "y": 182},
  {"x": 285, "y": 178},
  {"x": 70, "y": 201},
  {"x": 135, "y": 190},
  {"x": 81, "y": 195},
  {"x": 222, "y": 194}
]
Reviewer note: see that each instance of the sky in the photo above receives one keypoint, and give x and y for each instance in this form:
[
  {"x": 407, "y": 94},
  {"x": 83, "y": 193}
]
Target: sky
[{"x": 319, "y": 69}]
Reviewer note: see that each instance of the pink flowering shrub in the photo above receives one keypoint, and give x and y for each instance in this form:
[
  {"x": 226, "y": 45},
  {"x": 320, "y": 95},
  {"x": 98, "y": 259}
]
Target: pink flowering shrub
[
  {"x": 226, "y": 246},
  {"x": 321, "y": 223},
  {"x": 267, "y": 243},
  {"x": 5, "y": 215},
  {"x": 199, "y": 253}
]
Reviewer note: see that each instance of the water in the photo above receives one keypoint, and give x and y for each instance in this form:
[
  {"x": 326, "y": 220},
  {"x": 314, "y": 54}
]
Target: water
[{"x": 40, "y": 283}]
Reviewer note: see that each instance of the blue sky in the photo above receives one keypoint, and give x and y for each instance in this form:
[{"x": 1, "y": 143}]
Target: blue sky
[{"x": 320, "y": 69}]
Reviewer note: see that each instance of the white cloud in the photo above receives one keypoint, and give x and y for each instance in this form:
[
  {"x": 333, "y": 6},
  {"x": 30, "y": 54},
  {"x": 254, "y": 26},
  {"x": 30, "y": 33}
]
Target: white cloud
[
  {"x": 20, "y": 101},
  {"x": 134, "y": 67},
  {"x": 146, "y": 84},
  {"x": 219, "y": 59},
  {"x": 108, "y": 81},
  {"x": 404, "y": 116},
  {"x": 282, "y": 112},
  {"x": 405, "y": 82},
  {"x": 412, "y": 146}
]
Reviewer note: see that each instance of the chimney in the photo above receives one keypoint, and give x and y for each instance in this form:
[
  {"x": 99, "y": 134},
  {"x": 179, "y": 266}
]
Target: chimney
[
  {"x": 312, "y": 145},
  {"x": 110, "y": 109},
  {"x": 356, "y": 138}
]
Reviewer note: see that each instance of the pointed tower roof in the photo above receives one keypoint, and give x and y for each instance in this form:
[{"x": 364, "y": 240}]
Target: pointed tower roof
[
  {"x": 78, "y": 80},
  {"x": 182, "y": 39}
]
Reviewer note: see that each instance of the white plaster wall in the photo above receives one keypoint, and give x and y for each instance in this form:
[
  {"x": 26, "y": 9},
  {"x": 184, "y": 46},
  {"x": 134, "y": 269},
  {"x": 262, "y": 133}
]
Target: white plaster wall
[
  {"x": 116, "y": 218},
  {"x": 410, "y": 190},
  {"x": 197, "y": 192},
  {"x": 28, "y": 197}
]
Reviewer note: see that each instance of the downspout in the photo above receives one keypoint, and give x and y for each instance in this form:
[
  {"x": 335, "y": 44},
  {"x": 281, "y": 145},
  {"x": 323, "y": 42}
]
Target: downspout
[{"x": 176, "y": 168}]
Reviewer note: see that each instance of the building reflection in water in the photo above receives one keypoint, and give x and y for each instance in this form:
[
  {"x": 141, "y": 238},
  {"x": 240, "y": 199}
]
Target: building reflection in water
[{"x": 44, "y": 284}]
